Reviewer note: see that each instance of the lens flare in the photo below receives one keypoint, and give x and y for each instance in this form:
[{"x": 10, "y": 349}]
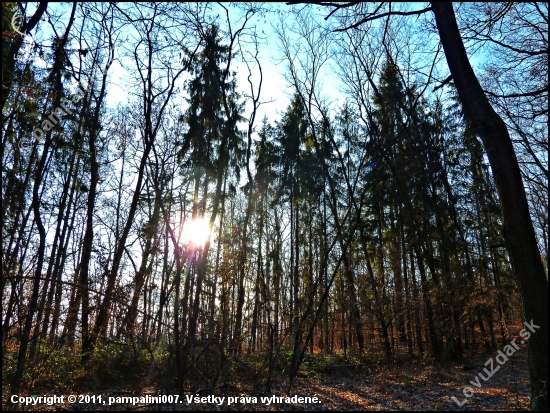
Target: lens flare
[{"x": 195, "y": 232}]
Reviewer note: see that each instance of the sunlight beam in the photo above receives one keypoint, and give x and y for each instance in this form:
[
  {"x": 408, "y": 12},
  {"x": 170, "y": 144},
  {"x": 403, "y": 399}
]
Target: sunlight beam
[{"x": 195, "y": 232}]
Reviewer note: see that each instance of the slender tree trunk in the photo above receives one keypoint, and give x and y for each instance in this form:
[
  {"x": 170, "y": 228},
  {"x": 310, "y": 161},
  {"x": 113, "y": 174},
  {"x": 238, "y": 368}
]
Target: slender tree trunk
[
  {"x": 408, "y": 300},
  {"x": 50, "y": 283},
  {"x": 25, "y": 335},
  {"x": 355, "y": 313},
  {"x": 68, "y": 223},
  {"x": 87, "y": 244},
  {"x": 152, "y": 227},
  {"x": 36, "y": 196},
  {"x": 395, "y": 254},
  {"x": 242, "y": 273},
  {"x": 201, "y": 270},
  {"x": 166, "y": 271},
  {"x": 104, "y": 309},
  {"x": 296, "y": 270},
  {"x": 212, "y": 321},
  {"x": 418, "y": 326}
]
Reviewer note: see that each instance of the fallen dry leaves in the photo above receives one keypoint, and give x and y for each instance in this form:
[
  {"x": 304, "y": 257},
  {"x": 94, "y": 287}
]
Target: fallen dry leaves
[{"x": 403, "y": 389}]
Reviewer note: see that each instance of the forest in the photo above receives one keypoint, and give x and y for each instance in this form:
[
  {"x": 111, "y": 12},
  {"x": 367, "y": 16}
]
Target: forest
[{"x": 266, "y": 206}]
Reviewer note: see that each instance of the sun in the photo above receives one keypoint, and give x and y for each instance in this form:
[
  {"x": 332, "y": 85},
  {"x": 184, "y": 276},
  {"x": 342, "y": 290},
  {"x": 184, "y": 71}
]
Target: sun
[{"x": 195, "y": 232}]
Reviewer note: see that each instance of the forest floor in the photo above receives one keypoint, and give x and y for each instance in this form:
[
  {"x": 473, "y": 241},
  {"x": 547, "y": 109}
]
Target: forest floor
[{"x": 339, "y": 387}]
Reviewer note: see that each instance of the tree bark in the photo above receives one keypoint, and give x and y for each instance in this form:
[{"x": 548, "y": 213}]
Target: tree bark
[
  {"x": 33, "y": 304},
  {"x": 236, "y": 345},
  {"x": 518, "y": 229},
  {"x": 152, "y": 228}
]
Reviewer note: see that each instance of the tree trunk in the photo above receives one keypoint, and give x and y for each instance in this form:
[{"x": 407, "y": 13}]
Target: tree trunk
[
  {"x": 152, "y": 228},
  {"x": 518, "y": 229},
  {"x": 242, "y": 273},
  {"x": 87, "y": 243},
  {"x": 25, "y": 335}
]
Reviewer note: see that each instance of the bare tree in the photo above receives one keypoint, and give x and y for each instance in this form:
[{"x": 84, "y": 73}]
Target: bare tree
[{"x": 518, "y": 228}]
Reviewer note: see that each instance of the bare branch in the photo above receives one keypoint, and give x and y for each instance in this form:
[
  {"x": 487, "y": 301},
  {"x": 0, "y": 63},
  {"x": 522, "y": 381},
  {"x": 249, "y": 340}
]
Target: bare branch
[{"x": 373, "y": 16}]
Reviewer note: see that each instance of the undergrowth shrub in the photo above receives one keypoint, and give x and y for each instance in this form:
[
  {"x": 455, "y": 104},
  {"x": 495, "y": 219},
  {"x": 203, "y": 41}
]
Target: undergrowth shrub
[{"x": 110, "y": 363}]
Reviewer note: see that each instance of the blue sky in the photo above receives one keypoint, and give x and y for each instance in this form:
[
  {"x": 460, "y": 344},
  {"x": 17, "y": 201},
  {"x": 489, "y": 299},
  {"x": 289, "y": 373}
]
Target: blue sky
[{"x": 275, "y": 89}]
